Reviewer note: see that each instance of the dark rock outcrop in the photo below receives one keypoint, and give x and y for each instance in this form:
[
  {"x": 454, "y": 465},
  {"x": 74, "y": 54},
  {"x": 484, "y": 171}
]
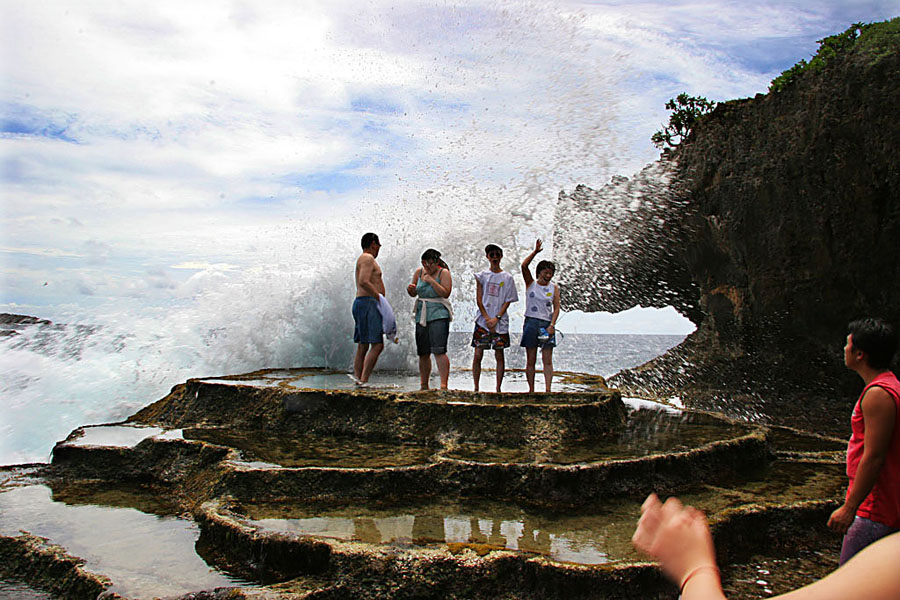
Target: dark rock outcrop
[
  {"x": 11, "y": 324},
  {"x": 771, "y": 227},
  {"x": 50, "y": 568}
]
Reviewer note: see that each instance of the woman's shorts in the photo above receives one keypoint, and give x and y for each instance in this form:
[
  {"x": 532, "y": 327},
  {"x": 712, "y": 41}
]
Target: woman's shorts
[
  {"x": 432, "y": 339},
  {"x": 530, "y": 334},
  {"x": 484, "y": 338}
]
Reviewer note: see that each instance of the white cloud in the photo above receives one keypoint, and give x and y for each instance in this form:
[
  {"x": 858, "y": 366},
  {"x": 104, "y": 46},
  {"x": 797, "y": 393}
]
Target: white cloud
[{"x": 176, "y": 133}]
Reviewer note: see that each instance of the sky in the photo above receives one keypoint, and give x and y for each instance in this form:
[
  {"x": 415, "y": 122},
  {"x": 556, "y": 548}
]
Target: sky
[{"x": 151, "y": 149}]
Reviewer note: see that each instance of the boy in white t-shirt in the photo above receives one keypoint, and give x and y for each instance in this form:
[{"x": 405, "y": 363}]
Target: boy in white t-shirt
[{"x": 496, "y": 290}]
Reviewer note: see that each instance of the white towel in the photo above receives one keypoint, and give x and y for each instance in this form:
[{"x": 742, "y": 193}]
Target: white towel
[
  {"x": 423, "y": 319},
  {"x": 388, "y": 321}
]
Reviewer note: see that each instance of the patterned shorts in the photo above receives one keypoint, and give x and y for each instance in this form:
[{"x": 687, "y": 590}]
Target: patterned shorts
[{"x": 484, "y": 338}]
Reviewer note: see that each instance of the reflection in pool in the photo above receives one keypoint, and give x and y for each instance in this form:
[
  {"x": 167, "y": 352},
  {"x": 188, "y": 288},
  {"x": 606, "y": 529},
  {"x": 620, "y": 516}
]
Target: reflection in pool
[
  {"x": 592, "y": 535},
  {"x": 585, "y": 539}
]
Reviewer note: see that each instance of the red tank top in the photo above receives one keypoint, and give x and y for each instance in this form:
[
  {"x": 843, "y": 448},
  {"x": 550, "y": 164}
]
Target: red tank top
[{"x": 883, "y": 502}]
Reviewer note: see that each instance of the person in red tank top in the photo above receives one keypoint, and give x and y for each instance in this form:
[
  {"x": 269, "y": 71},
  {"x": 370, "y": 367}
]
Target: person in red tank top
[{"x": 871, "y": 509}]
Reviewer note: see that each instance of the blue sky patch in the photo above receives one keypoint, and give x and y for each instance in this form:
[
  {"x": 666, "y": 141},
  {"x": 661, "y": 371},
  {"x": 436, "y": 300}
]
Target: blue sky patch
[
  {"x": 18, "y": 119},
  {"x": 333, "y": 181},
  {"x": 370, "y": 104}
]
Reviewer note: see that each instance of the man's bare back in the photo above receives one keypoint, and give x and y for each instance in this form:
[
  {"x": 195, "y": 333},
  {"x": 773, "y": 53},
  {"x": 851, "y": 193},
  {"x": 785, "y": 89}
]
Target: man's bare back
[{"x": 368, "y": 276}]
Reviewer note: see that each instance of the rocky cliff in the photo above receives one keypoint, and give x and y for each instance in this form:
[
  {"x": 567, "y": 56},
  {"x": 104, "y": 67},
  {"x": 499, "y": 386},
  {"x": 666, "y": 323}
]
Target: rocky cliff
[{"x": 775, "y": 223}]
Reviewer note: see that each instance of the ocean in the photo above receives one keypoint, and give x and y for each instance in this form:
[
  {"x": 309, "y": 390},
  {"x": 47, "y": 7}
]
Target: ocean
[
  {"x": 57, "y": 377},
  {"x": 595, "y": 353}
]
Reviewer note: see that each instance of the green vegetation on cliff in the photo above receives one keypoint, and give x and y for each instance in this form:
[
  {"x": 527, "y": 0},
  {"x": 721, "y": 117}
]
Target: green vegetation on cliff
[
  {"x": 874, "y": 39},
  {"x": 686, "y": 110}
]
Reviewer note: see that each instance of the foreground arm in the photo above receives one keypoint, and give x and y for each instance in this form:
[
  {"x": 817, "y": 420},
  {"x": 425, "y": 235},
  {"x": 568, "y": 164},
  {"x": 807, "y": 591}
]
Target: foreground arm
[
  {"x": 871, "y": 574},
  {"x": 679, "y": 539},
  {"x": 879, "y": 414}
]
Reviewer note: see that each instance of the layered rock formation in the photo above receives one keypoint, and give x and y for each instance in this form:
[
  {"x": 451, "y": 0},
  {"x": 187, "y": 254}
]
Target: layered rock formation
[
  {"x": 772, "y": 226},
  {"x": 303, "y": 492}
]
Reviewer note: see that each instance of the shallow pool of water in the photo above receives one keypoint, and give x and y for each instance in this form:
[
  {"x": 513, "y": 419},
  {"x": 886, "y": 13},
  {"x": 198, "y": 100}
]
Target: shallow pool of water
[
  {"x": 145, "y": 555},
  {"x": 121, "y": 436},
  {"x": 585, "y": 539},
  {"x": 599, "y": 535}
]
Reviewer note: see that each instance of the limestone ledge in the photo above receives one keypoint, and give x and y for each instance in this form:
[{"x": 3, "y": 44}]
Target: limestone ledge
[
  {"x": 372, "y": 414},
  {"x": 199, "y": 471}
]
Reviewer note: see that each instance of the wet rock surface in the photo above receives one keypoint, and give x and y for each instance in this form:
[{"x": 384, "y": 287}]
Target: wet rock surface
[
  {"x": 771, "y": 227},
  {"x": 393, "y": 505},
  {"x": 385, "y": 415},
  {"x": 49, "y": 567}
]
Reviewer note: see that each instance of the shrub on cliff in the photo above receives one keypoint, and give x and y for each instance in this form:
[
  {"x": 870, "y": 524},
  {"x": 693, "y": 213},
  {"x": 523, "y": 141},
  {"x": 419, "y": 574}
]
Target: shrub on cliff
[
  {"x": 685, "y": 112},
  {"x": 877, "y": 39}
]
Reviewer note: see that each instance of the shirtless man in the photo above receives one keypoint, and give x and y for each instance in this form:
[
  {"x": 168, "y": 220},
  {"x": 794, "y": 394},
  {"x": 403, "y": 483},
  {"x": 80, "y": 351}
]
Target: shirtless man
[{"x": 367, "y": 332}]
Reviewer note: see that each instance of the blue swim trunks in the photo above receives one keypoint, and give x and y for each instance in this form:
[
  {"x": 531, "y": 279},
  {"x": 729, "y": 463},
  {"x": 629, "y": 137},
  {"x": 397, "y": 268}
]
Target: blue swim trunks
[{"x": 367, "y": 321}]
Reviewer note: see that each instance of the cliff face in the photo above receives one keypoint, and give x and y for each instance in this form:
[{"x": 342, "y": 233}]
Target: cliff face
[{"x": 778, "y": 223}]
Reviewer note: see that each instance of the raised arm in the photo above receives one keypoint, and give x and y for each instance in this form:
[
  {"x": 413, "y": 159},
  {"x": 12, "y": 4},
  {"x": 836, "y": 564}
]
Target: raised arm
[{"x": 526, "y": 271}]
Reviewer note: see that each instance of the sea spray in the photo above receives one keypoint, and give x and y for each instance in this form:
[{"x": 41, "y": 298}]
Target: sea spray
[{"x": 287, "y": 301}]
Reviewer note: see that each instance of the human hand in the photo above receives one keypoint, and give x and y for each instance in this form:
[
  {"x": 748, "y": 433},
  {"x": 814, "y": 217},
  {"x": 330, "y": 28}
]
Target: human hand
[
  {"x": 551, "y": 329},
  {"x": 428, "y": 277},
  {"x": 841, "y": 519},
  {"x": 492, "y": 323},
  {"x": 411, "y": 289},
  {"x": 538, "y": 246},
  {"x": 677, "y": 536}
]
